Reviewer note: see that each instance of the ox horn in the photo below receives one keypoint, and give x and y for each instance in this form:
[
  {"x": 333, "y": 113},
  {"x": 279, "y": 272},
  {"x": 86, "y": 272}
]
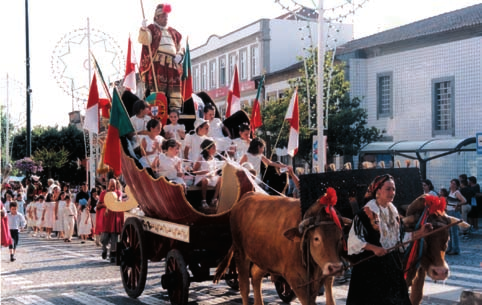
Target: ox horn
[
  {"x": 408, "y": 220},
  {"x": 346, "y": 221},
  {"x": 304, "y": 223},
  {"x": 463, "y": 225}
]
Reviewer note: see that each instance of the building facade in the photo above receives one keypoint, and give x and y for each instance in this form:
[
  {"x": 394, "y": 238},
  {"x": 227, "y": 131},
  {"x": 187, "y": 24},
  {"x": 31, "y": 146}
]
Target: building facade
[
  {"x": 423, "y": 81},
  {"x": 268, "y": 46}
]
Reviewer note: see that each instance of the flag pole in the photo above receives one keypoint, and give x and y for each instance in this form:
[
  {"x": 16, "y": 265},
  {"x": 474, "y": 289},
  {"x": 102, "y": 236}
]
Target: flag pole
[{"x": 150, "y": 53}]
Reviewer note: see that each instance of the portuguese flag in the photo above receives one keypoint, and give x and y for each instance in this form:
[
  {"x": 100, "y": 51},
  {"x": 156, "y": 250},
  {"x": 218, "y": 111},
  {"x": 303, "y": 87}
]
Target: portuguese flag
[
  {"x": 119, "y": 125},
  {"x": 186, "y": 75}
]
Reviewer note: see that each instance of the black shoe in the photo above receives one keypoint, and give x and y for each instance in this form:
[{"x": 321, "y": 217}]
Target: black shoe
[
  {"x": 12, "y": 258},
  {"x": 112, "y": 260},
  {"x": 104, "y": 254}
]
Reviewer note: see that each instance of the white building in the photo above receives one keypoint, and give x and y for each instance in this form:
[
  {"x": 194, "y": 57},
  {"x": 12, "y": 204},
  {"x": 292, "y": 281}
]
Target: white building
[
  {"x": 266, "y": 46},
  {"x": 423, "y": 81}
]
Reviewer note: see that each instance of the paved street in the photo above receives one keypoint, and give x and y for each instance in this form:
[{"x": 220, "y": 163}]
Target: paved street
[{"x": 54, "y": 272}]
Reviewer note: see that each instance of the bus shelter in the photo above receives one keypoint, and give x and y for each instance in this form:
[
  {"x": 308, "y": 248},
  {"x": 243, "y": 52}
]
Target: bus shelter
[{"x": 423, "y": 151}]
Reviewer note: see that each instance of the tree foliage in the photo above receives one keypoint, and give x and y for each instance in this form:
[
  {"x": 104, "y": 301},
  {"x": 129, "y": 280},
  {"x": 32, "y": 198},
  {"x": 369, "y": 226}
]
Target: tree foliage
[
  {"x": 54, "y": 146},
  {"x": 344, "y": 118}
]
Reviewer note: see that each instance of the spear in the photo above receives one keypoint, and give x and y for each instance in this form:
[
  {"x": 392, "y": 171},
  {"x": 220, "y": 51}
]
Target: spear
[{"x": 150, "y": 52}]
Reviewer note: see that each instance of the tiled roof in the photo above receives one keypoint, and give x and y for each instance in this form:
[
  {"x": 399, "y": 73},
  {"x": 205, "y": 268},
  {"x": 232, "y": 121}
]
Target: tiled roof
[{"x": 450, "y": 21}]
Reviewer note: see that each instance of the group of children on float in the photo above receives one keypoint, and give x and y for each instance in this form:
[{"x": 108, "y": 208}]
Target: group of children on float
[{"x": 198, "y": 149}]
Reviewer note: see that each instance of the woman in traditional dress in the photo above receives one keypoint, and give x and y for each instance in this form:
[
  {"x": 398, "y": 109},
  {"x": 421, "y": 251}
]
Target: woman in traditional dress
[{"x": 378, "y": 280}]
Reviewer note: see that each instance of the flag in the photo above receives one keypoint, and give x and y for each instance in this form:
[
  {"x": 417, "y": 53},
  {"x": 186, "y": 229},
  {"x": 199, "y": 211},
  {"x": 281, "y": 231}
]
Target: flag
[
  {"x": 233, "y": 104},
  {"x": 91, "y": 120},
  {"x": 256, "y": 120},
  {"x": 104, "y": 95},
  {"x": 130, "y": 76},
  {"x": 186, "y": 75},
  {"x": 293, "y": 118},
  {"x": 119, "y": 125}
]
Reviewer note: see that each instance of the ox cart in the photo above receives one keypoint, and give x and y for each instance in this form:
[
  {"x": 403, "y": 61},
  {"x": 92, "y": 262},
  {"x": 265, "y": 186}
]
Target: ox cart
[
  {"x": 171, "y": 228},
  {"x": 162, "y": 222}
]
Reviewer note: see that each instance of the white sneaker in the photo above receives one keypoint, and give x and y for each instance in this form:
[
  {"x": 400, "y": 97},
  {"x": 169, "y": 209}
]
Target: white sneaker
[{"x": 204, "y": 204}]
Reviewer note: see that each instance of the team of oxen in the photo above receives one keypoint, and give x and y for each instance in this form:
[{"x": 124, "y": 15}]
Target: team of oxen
[{"x": 271, "y": 236}]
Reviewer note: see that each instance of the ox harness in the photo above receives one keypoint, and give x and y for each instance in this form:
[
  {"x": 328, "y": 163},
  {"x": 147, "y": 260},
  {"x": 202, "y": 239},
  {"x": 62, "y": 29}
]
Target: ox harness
[{"x": 413, "y": 256}]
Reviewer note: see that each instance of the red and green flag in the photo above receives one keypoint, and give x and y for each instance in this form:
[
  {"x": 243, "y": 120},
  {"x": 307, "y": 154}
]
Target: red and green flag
[
  {"x": 256, "y": 121},
  {"x": 119, "y": 125},
  {"x": 186, "y": 75}
]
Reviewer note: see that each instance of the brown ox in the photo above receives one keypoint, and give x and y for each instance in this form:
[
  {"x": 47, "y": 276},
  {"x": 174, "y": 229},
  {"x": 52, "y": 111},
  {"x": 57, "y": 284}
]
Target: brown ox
[
  {"x": 432, "y": 262},
  {"x": 266, "y": 233}
]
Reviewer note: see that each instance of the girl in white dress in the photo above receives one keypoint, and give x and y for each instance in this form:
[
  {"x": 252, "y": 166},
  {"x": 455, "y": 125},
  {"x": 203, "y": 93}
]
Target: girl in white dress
[
  {"x": 38, "y": 211},
  {"x": 48, "y": 215},
  {"x": 70, "y": 216},
  {"x": 170, "y": 165},
  {"x": 85, "y": 223},
  {"x": 241, "y": 144},
  {"x": 206, "y": 168},
  {"x": 174, "y": 130},
  {"x": 59, "y": 216},
  {"x": 192, "y": 142},
  {"x": 216, "y": 129},
  {"x": 255, "y": 155},
  {"x": 151, "y": 144}
]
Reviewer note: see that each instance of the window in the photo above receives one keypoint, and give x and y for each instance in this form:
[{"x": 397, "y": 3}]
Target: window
[
  {"x": 243, "y": 64},
  {"x": 212, "y": 74},
  {"x": 232, "y": 62},
  {"x": 195, "y": 81},
  {"x": 254, "y": 60},
  {"x": 222, "y": 71},
  {"x": 443, "y": 106},
  {"x": 384, "y": 95},
  {"x": 204, "y": 77}
]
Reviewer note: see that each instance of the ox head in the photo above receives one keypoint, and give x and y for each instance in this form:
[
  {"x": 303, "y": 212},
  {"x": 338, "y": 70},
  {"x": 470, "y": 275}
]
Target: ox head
[
  {"x": 320, "y": 234},
  {"x": 434, "y": 246}
]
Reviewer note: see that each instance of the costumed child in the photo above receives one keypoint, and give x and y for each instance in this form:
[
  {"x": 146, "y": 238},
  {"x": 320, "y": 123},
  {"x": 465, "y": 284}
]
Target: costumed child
[
  {"x": 85, "y": 222},
  {"x": 139, "y": 122},
  {"x": 59, "y": 216},
  {"x": 170, "y": 165},
  {"x": 38, "y": 212},
  {"x": 16, "y": 222},
  {"x": 70, "y": 217},
  {"x": 206, "y": 169},
  {"x": 192, "y": 142},
  {"x": 255, "y": 155},
  {"x": 241, "y": 144},
  {"x": 6, "y": 239},
  {"x": 151, "y": 144},
  {"x": 48, "y": 215},
  {"x": 216, "y": 129},
  {"x": 174, "y": 130}
]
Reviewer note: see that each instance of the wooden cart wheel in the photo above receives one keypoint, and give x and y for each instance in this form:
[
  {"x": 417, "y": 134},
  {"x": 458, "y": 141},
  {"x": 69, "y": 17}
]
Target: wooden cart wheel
[
  {"x": 176, "y": 279},
  {"x": 231, "y": 277},
  {"x": 284, "y": 290},
  {"x": 133, "y": 259}
]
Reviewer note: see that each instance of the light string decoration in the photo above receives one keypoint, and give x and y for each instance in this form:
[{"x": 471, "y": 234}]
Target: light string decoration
[
  {"x": 334, "y": 18},
  {"x": 70, "y": 62}
]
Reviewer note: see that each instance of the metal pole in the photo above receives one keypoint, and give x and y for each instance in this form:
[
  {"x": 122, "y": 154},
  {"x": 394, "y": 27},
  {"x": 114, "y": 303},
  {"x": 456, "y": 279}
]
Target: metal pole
[
  {"x": 29, "y": 91},
  {"x": 7, "y": 128},
  {"x": 319, "y": 90},
  {"x": 91, "y": 166}
]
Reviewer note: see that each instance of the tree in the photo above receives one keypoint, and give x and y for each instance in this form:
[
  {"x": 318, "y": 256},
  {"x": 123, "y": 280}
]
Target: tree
[
  {"x": 51, "y": 159},
  {"x": 3, "y": 135},
  {"x": 51, "y": 139},
  {"x": 346, "y": 120}
]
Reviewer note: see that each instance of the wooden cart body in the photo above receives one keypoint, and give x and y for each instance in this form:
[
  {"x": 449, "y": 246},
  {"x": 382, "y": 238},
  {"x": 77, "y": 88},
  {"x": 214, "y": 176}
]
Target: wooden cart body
[{"x": 170, "y": 228}]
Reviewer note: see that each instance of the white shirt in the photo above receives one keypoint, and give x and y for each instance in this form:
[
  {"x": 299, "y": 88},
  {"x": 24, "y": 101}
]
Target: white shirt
[{"x": 16, "y": 222}]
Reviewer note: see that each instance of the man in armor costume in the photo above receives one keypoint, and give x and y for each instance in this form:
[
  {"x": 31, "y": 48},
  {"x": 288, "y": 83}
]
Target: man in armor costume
[{"x": 161, "y": 51}]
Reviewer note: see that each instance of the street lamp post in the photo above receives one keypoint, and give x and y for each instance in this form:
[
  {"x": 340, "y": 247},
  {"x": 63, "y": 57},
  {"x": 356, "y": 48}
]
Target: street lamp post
[
  {"x": 319, "y": 90},
  {"x": 29, "y": 90}
]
